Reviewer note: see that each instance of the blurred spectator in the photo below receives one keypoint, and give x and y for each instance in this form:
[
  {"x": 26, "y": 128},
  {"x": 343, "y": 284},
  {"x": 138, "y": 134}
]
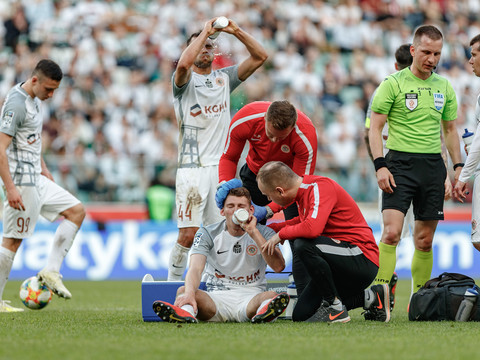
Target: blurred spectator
[{"x": 115, "y": 105}]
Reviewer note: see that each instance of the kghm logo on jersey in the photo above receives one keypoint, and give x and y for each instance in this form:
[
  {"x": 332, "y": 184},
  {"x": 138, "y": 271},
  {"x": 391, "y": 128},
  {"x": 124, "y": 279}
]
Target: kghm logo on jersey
[
  {"x": 220, "y": 81},
  {"x": 252, "y": 250},
  {"x": 195, "y": 110},
  {"x": 411, "y": 101},
  {"x": 7, "y": 119},
  {"x": 438, "y": 101}
]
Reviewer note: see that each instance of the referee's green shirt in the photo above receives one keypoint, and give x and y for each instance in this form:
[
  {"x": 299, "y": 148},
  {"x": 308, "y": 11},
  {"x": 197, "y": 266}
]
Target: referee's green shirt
[{"x": 415, "y": 109}]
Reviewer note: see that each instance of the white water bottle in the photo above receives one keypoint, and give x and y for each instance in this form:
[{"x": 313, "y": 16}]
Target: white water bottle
[
  {"x": 220, "y": 23},
  {"x": 466, "y": 306},
  {"x": 467, "y": 138}
]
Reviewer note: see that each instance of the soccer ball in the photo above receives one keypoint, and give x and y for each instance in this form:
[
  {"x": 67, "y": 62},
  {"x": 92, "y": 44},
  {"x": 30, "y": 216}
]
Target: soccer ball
[{"x": 34, "y": 294}]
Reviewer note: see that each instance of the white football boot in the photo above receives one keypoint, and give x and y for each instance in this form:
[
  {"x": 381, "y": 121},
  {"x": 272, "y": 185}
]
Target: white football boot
[
  {"x": 53, "y": 280},
  {"x": 5, "y": 307}
]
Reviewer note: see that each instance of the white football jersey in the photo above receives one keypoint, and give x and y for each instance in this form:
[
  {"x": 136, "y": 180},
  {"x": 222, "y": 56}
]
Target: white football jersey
[
  {"x": 21, "y": 118},
  {"x": 202, "y": 109},
  {"x": 232, "y": 262},
  {"x": 473, "y": 159}
]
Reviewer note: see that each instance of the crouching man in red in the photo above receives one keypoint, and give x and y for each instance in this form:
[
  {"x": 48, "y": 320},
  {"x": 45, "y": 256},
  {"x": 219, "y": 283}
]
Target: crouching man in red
[{"x": 332, "y": 240}]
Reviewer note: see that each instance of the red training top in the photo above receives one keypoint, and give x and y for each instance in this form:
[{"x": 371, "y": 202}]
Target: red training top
[
  {"x": 298, "y": 150},
  {"x": 326, "y": 209}
]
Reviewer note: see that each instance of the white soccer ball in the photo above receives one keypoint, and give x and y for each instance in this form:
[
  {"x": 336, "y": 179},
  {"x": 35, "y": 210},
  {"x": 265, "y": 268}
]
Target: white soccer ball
[{"x": 34, "y": 294}]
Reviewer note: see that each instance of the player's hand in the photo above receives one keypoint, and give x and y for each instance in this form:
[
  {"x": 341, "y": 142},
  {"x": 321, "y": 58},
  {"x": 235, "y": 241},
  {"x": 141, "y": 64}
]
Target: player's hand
[
  {"x": 260, "y": 212},
  {"x": 385, "y": 180},
  {"x": 250, "y": 225},
  {"x": 222, "y": 191},
  {"x": 270, "y": 245},
  {"x": 448, "y": 189},
  {"x": 186, "y": 299},
  {"x": 460, "y": 191},
  {"x": 15, "y": 199}
]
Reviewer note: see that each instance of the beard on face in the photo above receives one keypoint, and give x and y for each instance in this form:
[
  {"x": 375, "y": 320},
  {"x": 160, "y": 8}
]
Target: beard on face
[{"x": 203, "y": 64}]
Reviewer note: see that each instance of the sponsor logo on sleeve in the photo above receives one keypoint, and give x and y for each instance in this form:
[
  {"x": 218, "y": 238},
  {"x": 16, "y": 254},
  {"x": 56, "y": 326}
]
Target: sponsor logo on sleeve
[
  {"x": 438, "y": 101},
  {"x": 7, "y": 119}
]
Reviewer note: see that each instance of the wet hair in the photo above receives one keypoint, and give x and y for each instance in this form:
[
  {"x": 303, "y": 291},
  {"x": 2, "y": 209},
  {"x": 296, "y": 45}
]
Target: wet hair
[
  {"x": 240, "y": 192},
  {"x": 281, "y": 114},
  {"x": 403, "y": 56},
  {"x": 429, "y": 31},
  {"x": 48, "y": 69},
  {"x": 193, "y": 36},
  {"x": 276, "y": 173},
  {"x": 475, "y": 39}
]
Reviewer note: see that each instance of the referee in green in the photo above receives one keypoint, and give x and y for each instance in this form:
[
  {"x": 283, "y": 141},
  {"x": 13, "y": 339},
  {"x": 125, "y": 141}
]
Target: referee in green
[{"x": 417, "y": 103}]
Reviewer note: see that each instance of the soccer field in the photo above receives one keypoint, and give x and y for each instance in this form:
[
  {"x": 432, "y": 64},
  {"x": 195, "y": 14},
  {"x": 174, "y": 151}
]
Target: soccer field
[{"x": 104, "y": 321}]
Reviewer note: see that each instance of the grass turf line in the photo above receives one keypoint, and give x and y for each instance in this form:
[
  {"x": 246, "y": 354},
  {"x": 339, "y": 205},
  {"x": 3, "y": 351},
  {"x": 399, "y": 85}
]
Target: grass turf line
[{"x": 103, "y": 321}]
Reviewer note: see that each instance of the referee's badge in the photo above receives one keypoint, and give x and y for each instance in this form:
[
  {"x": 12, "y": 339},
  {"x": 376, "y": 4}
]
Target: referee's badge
[
  {"x": 411, "y": 101},
  {"x": 438, "y": 101}
]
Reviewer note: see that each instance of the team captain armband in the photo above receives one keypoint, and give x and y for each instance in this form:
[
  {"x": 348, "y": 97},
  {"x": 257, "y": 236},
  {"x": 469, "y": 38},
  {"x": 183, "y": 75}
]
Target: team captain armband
[
  {"x": 379, "y": 163},
  {"x": 458, "y": 165}
]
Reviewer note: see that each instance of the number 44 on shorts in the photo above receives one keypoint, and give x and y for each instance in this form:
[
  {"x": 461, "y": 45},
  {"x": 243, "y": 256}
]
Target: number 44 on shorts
[{"x": 187, "y": 214}]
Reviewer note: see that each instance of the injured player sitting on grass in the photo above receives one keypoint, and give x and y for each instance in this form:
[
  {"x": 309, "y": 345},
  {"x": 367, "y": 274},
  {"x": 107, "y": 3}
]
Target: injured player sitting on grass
[{"x": 229, "y": 256}]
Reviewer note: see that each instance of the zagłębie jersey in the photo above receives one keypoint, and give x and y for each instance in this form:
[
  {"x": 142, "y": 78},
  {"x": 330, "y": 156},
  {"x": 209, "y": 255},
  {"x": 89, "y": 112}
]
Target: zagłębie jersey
[
  {"x": 202, "y": 108},
  {"x": 232, "y": 262},
  {"x": 22, "y": 119}
]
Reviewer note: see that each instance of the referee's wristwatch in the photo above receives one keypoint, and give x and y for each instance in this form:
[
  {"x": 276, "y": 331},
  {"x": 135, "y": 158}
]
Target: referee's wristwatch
[{"x": 458, "y": 165}]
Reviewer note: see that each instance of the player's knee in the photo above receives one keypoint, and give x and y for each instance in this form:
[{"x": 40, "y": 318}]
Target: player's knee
[
  {"x": 185, "y": 236},
  {"x": 75, "y": 214},
  {"x": 391, "y": 235}
]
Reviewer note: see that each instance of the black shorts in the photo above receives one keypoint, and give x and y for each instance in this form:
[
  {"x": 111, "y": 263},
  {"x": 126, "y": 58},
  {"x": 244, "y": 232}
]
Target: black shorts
[{"x": 420, "y": 178}]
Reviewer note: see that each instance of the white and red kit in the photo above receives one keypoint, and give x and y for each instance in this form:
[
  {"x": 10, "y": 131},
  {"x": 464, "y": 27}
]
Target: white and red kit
[
  {"x": 298, "y": 150},
  {"x": 326, "y": 209}
]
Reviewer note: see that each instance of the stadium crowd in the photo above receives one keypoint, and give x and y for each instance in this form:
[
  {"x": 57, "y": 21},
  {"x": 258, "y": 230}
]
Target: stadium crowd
[{"x": 110, "y": 130}]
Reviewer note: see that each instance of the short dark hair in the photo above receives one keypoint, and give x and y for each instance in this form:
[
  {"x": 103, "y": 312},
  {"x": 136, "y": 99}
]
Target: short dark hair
[
  {"x": 429, "y": 31},
  {"x": 403, "y": 56},
  {"x": 475, "y": 39},
  {"x": 281, "y": 114},
  {"x": 49, "y": 69},
  {"x": 240, "y": 192},
  {"x": 194, "y": 35}
]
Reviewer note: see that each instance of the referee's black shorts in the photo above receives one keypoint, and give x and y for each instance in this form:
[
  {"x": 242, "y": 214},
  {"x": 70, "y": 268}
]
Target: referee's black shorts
[{"x": 420, "y": 178}]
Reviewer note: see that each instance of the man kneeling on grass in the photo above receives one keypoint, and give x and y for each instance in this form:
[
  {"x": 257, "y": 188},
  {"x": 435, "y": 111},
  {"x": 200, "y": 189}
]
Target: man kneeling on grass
[
  {"x": 233, "y": 266},
  {"x": 332, "y": 240}
]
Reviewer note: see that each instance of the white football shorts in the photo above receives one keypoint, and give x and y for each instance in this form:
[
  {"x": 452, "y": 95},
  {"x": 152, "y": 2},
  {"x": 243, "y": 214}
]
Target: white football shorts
[
  {"x": 195, "y": 196},
  {"x": 47, "y": 199},
  {"x": 232, "y": 304}
]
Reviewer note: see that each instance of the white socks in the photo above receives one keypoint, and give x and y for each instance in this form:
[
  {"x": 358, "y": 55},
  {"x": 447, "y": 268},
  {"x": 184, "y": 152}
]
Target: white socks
[
  {"x": 369, "y": 298},
  {"x": 265, "y": 302},
  {"x": 177, "y": 262},
  {"x": 62, "y": 242},
  {"x": 6, "y": 262},
  {"x": 189, "y": 308}
]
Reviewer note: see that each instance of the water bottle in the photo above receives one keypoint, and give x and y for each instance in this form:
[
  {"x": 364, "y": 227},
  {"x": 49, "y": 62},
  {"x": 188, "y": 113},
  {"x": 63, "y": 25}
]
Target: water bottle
[
  {"x": 220, "y": 23},
  {"x": 240, "y": 216},
  {"x": 466, "y": 306},
  {"x": 292, "y": 292},
  {"x": 467, "y": 139}
]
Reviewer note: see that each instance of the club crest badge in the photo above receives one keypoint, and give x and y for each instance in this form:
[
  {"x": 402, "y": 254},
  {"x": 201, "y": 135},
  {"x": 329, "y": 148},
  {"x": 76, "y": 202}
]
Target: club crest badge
[
  {"x": 438, "y": 101},
  {"x": 411, "y": 101},
  {"x": 285, "y": 149}
]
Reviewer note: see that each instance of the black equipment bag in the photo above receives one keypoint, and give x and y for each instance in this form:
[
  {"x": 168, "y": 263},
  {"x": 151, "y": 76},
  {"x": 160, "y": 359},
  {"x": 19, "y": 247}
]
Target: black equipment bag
[{"x": 440, "y": 298}]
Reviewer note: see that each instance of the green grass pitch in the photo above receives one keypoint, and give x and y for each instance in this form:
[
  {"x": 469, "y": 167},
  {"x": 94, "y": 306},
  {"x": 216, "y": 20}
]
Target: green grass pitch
[{"x": 104, "y": 321}]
